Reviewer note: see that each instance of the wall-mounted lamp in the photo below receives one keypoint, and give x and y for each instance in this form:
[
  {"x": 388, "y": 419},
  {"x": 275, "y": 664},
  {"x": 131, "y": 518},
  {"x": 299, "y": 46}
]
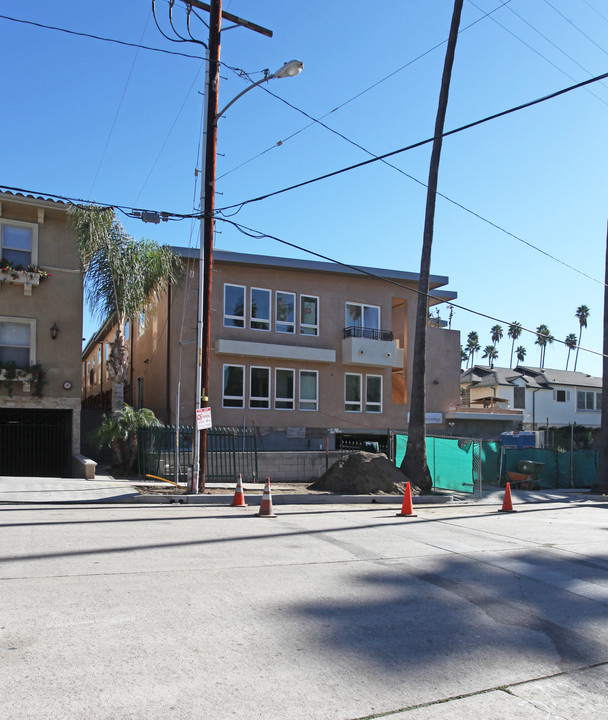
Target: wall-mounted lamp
[{"x": 54, "y": 330}]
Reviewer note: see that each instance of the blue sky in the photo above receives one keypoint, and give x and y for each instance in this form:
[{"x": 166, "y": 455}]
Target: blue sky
[{"x": 99, "y": 121}]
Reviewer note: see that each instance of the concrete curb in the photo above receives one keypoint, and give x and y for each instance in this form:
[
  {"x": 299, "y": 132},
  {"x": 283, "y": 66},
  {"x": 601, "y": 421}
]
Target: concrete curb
[{"x": 287, "y": 499}]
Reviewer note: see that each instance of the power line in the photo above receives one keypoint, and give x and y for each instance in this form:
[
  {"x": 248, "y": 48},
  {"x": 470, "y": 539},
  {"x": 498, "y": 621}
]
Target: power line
[
  {"x": 99, "y": 37},
  {"x": 258, "y": 235},
  {"x": 418, "y": 144},
  {"x": 362, "y": 92}
]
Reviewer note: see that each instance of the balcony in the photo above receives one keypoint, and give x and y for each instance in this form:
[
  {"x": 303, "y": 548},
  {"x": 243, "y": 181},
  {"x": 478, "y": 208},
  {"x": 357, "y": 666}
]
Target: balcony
[{"x": 372, "y": 347}]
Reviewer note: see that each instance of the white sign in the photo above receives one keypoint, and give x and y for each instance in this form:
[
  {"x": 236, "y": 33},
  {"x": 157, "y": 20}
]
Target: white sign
[
  {"x": 203, "y": 418},
  {"x": 430, "y": 418}
]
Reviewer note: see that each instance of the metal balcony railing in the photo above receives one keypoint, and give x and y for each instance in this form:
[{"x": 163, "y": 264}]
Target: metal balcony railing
[{"x": 368, "y": 333}]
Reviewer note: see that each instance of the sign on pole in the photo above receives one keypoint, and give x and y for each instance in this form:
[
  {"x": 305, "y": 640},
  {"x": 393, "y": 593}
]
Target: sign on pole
[{"x": 203, "y": 418}]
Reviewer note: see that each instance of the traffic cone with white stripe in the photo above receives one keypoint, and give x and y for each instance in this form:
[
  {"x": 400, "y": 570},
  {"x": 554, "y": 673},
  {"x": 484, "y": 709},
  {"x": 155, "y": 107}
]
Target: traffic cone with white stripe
[
  {"x": 507, "y": 505},
  {"x": 407, "y": 509},
  {"x": 266, "y": 505},
  {"x": 239, "y": 495}
]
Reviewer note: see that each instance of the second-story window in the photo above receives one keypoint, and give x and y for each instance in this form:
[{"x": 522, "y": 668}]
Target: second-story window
[
  {"x": 362, "y": 318},
  {"x": 284, "y": 389},
  {"x": 259, "y": 307},
  {"x": 285, "y": 312},
  {"x": 259, "y": 388},
  {"x": 234, "y": 306},
  {"x": 18, "y": 243},
  {"x": 309, "y": 315},
  {"x": 352, "y": 392}
]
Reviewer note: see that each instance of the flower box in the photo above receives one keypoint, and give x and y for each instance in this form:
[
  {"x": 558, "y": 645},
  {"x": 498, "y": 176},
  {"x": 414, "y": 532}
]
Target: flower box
[{"x": 20, "y": 277}]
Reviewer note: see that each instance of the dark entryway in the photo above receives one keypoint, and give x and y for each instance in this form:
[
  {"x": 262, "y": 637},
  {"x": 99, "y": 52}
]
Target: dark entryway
[{"x": 35, "y": 442}]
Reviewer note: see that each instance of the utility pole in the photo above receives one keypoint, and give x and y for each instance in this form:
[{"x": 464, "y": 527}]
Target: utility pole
[{"x": 208, "y": 167}]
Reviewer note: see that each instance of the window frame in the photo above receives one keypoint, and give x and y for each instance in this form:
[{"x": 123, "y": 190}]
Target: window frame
[
  {"x": 303, "y": 325},
  {"x": 285, "y": 399},
  {"x": 233, "y": 397},
  {"x": 308, "y": 400},
  {"x": 235, "y": 318},
  {"x": 362, "y": 306},
  {"x": 353, "y": 402},
  {"x": 587, "y": 393},
  {"x": 259, "y": 398},
  {"x": 31, "y": 322},
  {"x": 374, "y": 403},
  {"x": 286, "y": 323},
  {"x": 20, "y": 224},
  {"x": 252, "y": 319}
]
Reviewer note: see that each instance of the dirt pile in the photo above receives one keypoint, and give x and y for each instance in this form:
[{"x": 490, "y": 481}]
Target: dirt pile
[{"x": 362, "y": 473}]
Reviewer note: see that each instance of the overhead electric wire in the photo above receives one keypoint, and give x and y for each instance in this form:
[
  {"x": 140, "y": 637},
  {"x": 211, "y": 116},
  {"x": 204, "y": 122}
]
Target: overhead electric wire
[
  {"x": 576, "y": 27},
  {"x": 439, "y": 194},
  {"x": 259, "y": 235},
  {"x": 418, "y": 144},
  {"x": 362, "y": 92},
  {"x": 99, "y": 37}
]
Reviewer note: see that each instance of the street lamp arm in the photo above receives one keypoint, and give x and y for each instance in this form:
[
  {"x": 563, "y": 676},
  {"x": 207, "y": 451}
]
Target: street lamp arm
[{"x": 289, "y": 69}]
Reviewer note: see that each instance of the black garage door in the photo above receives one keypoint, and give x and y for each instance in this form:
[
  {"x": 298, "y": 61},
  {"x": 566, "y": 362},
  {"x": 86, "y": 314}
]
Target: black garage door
[{"x": 37, "y": 443}]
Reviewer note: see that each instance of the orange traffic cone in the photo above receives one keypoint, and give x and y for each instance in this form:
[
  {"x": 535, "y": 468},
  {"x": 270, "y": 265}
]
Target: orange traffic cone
[
  {"x": 239, "y": 495},
  {"x": 266, "y": 505},
  {"x": 507, "y": 505},
  {"x": 406, "y": 508}
]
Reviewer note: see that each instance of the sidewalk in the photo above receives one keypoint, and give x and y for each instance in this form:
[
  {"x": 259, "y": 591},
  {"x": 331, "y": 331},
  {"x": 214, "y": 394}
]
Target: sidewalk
[{"x": 107, "y": 489}]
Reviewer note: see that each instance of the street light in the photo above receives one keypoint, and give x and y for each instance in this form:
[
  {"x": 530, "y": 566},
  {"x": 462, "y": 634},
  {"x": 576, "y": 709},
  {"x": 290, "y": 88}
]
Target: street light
[{"x": 208, "y": 162}]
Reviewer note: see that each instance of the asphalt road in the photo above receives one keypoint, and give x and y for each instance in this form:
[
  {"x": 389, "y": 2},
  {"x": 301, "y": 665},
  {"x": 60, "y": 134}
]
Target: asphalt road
[{"x": 324, "y": 612}]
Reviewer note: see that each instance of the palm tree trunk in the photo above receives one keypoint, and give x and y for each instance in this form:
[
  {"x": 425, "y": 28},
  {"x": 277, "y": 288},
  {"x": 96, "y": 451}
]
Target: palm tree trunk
[
  {"x": 601, "y": 480},
  {"x": 414, "y": 463}
]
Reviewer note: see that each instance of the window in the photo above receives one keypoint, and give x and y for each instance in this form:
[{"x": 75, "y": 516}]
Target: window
[
  {"x": 309, "y": 315},
  {"x": 284, "y": 389},
  {"x": 18, "y": 243},
  {"x": 373, "y": 393},
  {"x": 561, "y": 396},
  {"x": 234, "y": 386},
  {"x": 260, "y": 309},
  {"x": 352, "y": 392},
  {"x": 17, "y": 341},
  {"x": 141, "y": 324},
  {"x": 598, "y": 401},
  {"x": 139, "y": 393},
  {"x": 259, "y": 387},
  {"x": 586, "y": 400},
  {"x": 519, "y": 398},
  {"x": 309, "y": 390},
  {"x": 234, "y": 306},
  {"x": 363, "y": 316},
  {"x": 285, "y": 312}
]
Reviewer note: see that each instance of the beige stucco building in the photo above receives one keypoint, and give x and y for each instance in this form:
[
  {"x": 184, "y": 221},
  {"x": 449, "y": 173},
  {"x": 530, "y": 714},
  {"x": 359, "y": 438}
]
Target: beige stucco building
[
  {"x": 40, "y": 338},
  {"x": 301, "y": 350}
]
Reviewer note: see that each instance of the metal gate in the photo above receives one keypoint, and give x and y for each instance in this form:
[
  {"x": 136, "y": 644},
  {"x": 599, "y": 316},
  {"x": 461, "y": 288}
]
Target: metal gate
[{"x": 36, "y": 443}]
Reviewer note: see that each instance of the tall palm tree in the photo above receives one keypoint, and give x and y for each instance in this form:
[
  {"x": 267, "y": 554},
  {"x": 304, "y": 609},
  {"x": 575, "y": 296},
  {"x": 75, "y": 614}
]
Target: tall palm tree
[
  {"x": 122, "y": 278},
  {"x": 520, "y": 353},
  {"x": 414, "y": 464},
  {"x": 582, "y": 313},
  {"x": 513, "y": 332},
  {"x": 496, "y": 334},
  {"x": 472, "y": 345},
  {"x": 543, "y": 338},
  {"x": 463, "y": 355},
  {"x": 491, "y": 353},
  {"x": 570, "y": 344}
]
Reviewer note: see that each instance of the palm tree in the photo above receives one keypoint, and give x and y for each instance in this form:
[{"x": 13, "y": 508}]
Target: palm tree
[
  {"x": 463, "y": 355},
  {"x": 472, "y": 345},
  {"x": 520, "y": 353},
  {"x": 491, "y": 353},
  {"x": 122, "y": 277},
  {"x": 582, "y": 313},
  {"x": 570, "y": 344},
  {"x": 543, "y": 338},
  {"x": 414, "y": 464},
  {"x": 513, "y": 332},
  {"x": 496, "y": 334}
]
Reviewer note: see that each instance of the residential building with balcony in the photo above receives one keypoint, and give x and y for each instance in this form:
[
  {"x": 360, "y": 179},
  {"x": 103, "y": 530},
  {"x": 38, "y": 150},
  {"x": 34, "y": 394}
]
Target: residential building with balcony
[
  {"x": 40, "y": 339},
  {"x": 303, "y": 351}
]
